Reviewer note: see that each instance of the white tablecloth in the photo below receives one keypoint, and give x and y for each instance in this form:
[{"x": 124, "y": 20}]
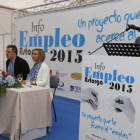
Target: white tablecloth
[{"x": 24, "y": 109}]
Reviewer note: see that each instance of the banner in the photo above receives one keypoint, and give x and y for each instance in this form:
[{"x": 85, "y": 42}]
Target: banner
[
  {"x": 108, "y": 98},
  {"x": 66, "y": 35}
]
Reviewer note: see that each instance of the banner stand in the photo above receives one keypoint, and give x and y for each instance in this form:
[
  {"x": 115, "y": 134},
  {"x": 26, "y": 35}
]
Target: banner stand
[{"x": 110, "y": 98}]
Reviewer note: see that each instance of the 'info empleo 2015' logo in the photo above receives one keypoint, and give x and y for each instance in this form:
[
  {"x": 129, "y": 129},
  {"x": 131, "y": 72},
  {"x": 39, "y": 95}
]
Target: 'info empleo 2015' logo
[{"x": 116, "y": 80}]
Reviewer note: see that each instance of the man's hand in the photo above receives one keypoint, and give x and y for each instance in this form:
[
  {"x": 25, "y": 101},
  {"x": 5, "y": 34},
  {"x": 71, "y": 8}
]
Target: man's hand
[
  {"x": 90, "y": 96},
  {"x": 23, "y": 82},
  {"x": 125, "y": 105}
]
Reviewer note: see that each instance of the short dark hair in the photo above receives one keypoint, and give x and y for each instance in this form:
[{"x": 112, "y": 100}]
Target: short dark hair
[{"x": 14, "y": 48}]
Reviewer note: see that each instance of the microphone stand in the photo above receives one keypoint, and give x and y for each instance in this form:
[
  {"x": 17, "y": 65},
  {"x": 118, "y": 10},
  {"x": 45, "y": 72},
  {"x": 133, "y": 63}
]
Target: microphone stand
[{"x": 110, "y": 40}]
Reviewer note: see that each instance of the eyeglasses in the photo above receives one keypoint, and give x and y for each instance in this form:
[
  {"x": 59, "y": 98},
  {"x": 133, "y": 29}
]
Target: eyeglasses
[{"x": 9, "y": 52}]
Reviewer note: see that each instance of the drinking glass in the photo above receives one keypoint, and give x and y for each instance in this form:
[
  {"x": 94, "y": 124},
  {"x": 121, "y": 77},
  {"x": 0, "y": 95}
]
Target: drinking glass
[{"x": 20, "y": 77}]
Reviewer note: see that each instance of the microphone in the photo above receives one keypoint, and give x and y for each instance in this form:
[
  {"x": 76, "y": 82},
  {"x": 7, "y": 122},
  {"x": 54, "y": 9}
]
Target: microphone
[
  {"x": 130, "y": 26},
  {"x": 127, "y": 29}
]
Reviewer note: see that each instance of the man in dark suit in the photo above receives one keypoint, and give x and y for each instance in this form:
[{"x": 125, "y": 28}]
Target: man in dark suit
[
  {"x": 137, "y": 40},
  {"x": 131, "y": 26},
  {"x": 16, "y": 65}
]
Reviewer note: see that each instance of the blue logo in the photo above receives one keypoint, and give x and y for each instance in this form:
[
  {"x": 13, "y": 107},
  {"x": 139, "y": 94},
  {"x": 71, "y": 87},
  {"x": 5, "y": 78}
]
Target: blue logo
[
  {"x": 61, "y": 84},
  {"x": 71, "y": 88},
  {"x": 75, "y": 88}
]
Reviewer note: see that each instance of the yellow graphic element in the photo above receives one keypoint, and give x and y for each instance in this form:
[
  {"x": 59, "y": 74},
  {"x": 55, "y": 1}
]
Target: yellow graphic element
[{"x": 76, "y": 76}]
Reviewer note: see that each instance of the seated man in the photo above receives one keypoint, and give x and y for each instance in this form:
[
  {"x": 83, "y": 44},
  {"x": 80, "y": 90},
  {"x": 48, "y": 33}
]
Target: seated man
[{"x": 16, "y": 65}]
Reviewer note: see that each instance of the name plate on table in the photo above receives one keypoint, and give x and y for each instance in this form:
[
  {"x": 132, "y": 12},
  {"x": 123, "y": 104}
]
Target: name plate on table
[{"x": 110, "y": 98}]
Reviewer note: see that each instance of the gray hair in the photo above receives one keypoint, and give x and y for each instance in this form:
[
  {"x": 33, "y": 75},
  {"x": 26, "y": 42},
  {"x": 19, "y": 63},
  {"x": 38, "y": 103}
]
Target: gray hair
[{"x": 14, "y": 48}]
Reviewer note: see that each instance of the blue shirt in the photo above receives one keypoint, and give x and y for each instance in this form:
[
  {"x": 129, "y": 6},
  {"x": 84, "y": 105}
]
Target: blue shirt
[{"x": 11, "y": 67}]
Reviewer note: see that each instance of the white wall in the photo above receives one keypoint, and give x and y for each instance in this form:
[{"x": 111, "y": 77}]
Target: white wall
[
  {"x": 5, "y": 20},
  {"x": 5, "y": 39},
  {"x": 1, "y": 51}
]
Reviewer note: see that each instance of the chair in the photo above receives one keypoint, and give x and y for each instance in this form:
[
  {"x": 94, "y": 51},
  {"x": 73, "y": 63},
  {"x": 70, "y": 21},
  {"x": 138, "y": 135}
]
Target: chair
[{"x": 54, "y": 81}]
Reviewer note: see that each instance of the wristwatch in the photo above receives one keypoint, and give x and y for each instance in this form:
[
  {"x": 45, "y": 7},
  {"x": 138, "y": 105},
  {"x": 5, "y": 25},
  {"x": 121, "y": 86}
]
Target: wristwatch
[{"x": 33, "y": 83}]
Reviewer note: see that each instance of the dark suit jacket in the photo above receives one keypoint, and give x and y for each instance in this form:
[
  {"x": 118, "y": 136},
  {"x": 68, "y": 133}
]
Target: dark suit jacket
[
  {"x": 20, "y": 67},
  {"x": 137, "y": 40}
]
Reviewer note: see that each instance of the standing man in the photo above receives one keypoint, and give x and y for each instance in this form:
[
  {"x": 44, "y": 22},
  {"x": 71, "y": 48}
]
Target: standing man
[
  {"x": 131, "y": 26},
  {"x": 137, "y": 41},
  {"x": 16, "y": 65}
]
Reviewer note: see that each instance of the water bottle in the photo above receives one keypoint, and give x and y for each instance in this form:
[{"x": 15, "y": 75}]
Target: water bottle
[{"x": 28, "y": 80}]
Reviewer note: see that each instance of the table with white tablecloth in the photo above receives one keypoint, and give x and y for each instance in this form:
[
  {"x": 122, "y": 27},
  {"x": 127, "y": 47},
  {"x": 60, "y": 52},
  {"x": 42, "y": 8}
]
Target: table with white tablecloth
[{"x": 24, "y": 109}]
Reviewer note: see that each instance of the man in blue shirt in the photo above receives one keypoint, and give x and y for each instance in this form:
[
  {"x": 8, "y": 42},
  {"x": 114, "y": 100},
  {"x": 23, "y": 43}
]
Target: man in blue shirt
[{"x": 16, "y": 65}]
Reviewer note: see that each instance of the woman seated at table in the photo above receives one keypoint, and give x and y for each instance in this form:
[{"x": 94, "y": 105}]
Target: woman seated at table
[{"x": 40, "y": 73}]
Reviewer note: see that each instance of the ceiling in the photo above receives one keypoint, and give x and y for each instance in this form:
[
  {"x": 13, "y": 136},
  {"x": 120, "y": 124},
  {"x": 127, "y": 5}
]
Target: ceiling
[{"x": 19, "y": 4}]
